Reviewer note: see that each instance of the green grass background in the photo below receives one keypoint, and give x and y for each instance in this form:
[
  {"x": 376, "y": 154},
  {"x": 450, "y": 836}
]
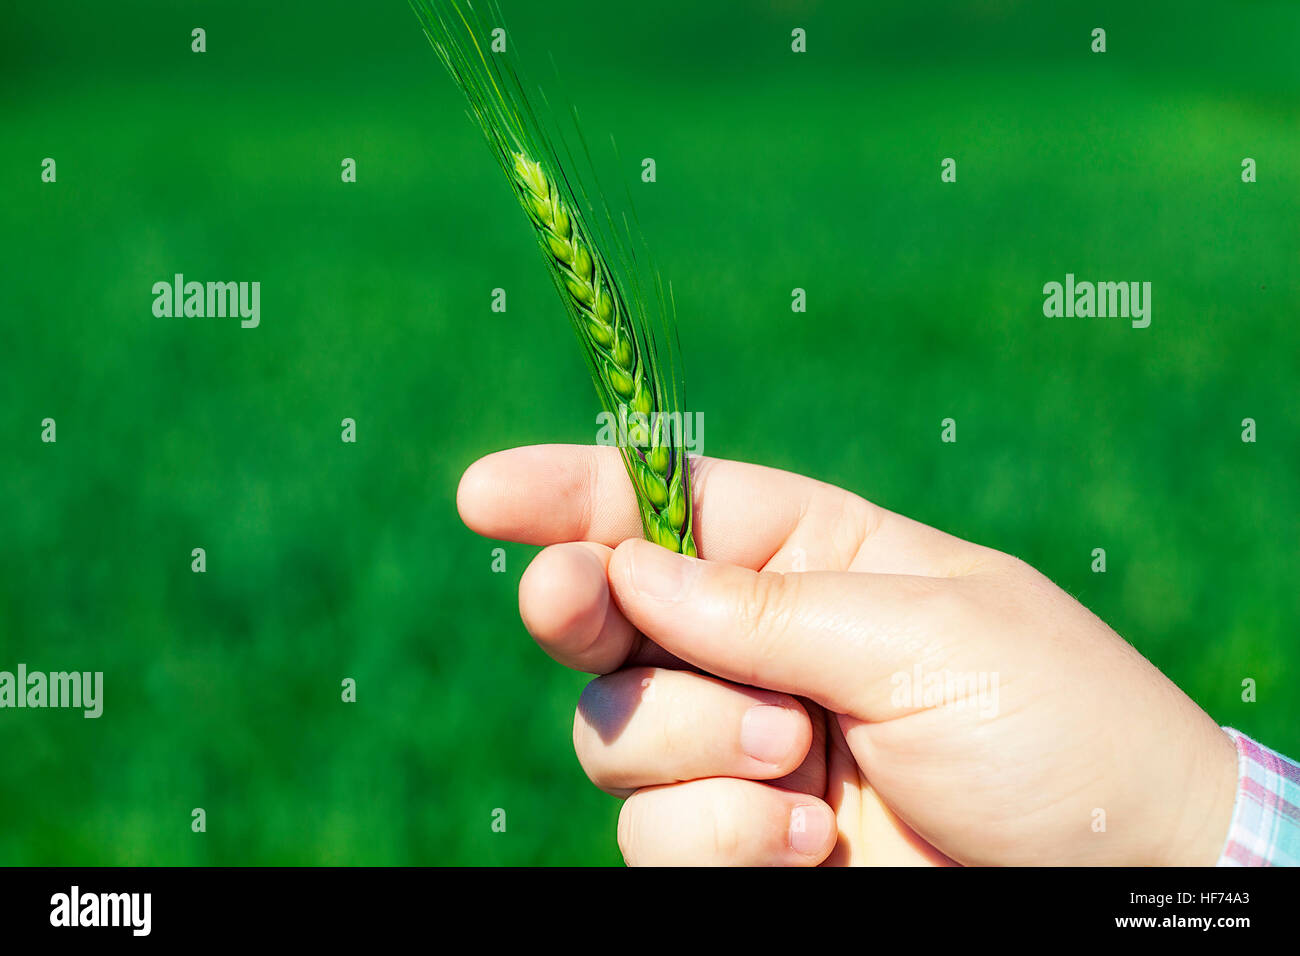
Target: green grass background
[{"x": 328, "y": 560}]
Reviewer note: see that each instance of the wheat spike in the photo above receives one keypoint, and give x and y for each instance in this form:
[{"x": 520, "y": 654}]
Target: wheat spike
[
  {"x": 613, "y": 329},
  {"x": 623, "y": 372}
]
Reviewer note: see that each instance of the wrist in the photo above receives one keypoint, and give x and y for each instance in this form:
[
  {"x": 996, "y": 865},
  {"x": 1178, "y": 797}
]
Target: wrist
[{"x": 1204, "y": 816}]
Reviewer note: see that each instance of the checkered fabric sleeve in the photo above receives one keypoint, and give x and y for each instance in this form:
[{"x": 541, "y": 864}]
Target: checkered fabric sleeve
[{"x": 1265, "y": 828}]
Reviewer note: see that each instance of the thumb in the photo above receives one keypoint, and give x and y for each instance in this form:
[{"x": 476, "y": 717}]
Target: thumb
[{"x": 835, "y": 637}]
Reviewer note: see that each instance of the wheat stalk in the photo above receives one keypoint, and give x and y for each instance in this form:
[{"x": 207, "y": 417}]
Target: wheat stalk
[{"x": 609, "y": 315}]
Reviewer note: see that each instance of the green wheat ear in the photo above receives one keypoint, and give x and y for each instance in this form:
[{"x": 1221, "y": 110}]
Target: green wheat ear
[{"x": 605, "y": 307}]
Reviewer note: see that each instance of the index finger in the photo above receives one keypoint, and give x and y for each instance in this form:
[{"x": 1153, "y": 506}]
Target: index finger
[{"x": 747, "y": 515}]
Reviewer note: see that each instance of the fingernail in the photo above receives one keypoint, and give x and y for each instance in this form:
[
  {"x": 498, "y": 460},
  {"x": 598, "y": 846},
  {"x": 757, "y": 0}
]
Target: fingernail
[
  {"x": 660, "y": 574},
  {"x": 768, "y": 733},
  {"x": 810, "y": 829}
]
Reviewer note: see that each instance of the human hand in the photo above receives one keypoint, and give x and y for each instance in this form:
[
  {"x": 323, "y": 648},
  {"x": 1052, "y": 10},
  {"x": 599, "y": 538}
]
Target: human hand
[{"x": 1071, "y": 721}]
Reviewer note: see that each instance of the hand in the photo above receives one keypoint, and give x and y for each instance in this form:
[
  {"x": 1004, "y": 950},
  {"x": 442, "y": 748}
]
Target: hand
[{"x": 920, "y": 699}]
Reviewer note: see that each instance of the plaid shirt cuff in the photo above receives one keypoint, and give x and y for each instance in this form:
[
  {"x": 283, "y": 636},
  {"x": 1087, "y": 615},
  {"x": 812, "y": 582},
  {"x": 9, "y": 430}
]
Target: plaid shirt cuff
[{"x": 1265, "y": 828}]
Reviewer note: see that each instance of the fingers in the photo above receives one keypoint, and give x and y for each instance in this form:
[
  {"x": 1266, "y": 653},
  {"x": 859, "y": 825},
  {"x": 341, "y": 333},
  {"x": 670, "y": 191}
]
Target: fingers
[
  {"x": 724, "y": 822},
  {"x": 564, "y": 603},
  {"x": 547, "y": 494},
  {"x": 746, "y": 515},
  {"x": 873, "y": 834},
  {"x": 645, "y": 726},
  {"x": 837, "y": 638}
]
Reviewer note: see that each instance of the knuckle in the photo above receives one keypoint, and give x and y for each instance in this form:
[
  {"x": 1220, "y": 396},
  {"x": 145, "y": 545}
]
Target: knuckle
[
  {"x": 680, "y": 733},
  {"x": 939, "y": 600},
  {"x": 764, "y": 609},
  {"x": 1004, "y": 563},
  {"x": 725, "y": 830},
  {"x": 585, "y": 490},
  {"x": 858, "y": 523}
]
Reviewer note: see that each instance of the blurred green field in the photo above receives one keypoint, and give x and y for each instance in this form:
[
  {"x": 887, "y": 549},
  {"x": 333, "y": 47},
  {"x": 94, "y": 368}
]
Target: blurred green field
[{"x": 328, "y": 560}]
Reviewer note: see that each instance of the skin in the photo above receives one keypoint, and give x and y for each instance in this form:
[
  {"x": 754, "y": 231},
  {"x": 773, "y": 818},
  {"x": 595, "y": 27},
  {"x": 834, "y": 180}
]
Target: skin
[{"x": 756, "y": 707}]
